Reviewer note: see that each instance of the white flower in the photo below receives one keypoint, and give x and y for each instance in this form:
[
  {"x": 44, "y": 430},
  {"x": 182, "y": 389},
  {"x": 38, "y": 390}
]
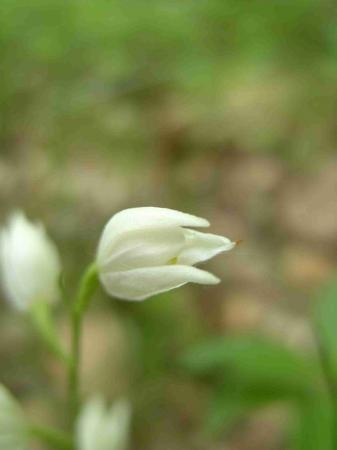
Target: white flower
[
  {"x": 100, "y": 428},
  {"x": 29, "y": 263},
  {"x": 145, "y": 251},
  {"x": 13, "y": 426}
]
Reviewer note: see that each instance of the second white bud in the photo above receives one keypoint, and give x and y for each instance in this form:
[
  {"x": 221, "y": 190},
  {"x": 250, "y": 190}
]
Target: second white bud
[{"x": 29, "y": 263}]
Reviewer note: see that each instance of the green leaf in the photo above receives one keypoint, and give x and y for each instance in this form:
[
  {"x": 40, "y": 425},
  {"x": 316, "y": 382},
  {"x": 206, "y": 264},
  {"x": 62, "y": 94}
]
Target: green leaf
[
  {"x": 225, "y": 410},
  {"x": 231, "y": 403},
  {"x": 254, "y": 360},
  {"x": 326, "y": 325},
  {"x": 314, "y": 424}
]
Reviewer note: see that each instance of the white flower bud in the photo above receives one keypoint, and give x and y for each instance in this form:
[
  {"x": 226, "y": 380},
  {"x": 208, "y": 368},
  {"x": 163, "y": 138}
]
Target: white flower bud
[
  {"x": 100, "y": 428},
  {"x": 13, "y": 426},
  {"x": 145, "y": 251},
  {"x": 29, "y": 263}
]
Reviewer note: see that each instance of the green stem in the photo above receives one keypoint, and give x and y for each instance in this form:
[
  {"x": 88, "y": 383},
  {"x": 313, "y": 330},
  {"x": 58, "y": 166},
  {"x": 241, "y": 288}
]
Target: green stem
[
  {"x": 87, "y": 287},
  {"x": 45, "y": 326},
  {"x": 55, "y": 438}
]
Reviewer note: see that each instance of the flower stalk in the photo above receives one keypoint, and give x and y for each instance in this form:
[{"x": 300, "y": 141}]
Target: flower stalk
[
  {"x": 43, "y": 322},
  {"x": 87, "y": 287}
]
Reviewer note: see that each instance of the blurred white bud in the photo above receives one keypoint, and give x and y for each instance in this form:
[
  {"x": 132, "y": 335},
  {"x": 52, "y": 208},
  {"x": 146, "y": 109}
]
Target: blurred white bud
[
  {"x": 101, "y": 428},
  {"x": 29, "y": 263},
  {"x": 13, "y": 426},
  {"x": 145, "y": 251}
]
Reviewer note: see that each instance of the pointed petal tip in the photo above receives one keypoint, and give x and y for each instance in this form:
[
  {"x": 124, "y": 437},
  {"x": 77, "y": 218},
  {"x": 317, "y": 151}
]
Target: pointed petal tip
[
  {"x": 214, "y": 279},
  {"x": 202, "y": 222}
]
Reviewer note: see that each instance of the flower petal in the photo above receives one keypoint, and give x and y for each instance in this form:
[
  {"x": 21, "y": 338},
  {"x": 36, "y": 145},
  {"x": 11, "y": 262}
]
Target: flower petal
[
  {"x": 139, "y": 284},
  {"x": 153, "y": 216},
  {"x": 12, "y": 290},
  {"x": 146, "y": 217},
  {"x": 202, "y": 246},
  {"x": 115, "y": 434},
  {"x": 100, "y": 428},
  {"x": 141, "y": 248},
  {"x": 89, "y": 423}
]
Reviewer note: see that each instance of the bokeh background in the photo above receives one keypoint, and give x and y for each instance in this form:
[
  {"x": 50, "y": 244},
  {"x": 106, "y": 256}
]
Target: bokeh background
[{"x": 222, "y": 108}]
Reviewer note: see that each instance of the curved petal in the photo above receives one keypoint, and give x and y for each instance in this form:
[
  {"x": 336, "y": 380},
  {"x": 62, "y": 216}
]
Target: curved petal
[
  {"x": 100, "y": 428},
  {"x": 202, "y": 246},
  {"x": 141, "y": 248},
  {"x": 115, "y": 435},
  {"x": 139, "y": 284},
  {"x": 146, "y": 217}
]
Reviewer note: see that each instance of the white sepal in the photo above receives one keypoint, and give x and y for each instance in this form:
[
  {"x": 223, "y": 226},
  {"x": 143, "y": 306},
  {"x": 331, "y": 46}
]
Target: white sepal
[{"x": 139, "y": 284}]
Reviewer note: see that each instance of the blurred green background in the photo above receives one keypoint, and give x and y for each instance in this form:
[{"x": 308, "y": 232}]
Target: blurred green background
[{"x": 222, "y": 108}]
